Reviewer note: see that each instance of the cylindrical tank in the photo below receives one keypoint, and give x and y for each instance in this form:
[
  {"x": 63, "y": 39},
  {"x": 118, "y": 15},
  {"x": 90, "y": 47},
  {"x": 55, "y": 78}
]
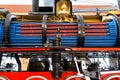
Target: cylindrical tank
[{"x": 29, "y": 34}]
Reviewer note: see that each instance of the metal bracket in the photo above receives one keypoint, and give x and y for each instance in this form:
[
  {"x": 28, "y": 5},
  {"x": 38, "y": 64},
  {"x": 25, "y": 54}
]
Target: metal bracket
[
  {"x": 85, "y": 71},
  {"x": 6, "y": 37},
  {"x": 44, "y": 26},
  {"x": 80, "y": 31}
]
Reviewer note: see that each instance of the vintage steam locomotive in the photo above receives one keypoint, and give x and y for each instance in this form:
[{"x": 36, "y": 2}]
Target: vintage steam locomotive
[{"x": 48, "y": 36}]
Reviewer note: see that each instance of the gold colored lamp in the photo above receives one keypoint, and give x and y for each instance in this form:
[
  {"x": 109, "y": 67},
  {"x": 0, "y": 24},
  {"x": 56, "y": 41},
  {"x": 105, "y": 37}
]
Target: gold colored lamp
[{"x": 63, "y": 7}]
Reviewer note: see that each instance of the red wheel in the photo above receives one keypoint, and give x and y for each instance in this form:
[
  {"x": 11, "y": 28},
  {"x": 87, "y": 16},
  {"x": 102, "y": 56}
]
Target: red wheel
[
  {"x": 3, "y": 78},
  {"x": 36, "y": 78},
  {"x": 113, "y": 77},
  {"x": 75, "y": 77}
]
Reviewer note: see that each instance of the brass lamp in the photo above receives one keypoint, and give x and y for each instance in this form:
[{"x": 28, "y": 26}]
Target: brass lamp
[{"x": 63, "y": 7}]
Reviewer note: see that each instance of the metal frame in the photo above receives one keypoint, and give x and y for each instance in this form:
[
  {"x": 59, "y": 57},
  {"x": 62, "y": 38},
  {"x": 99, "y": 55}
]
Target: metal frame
[{"x": 66, "y": 49}]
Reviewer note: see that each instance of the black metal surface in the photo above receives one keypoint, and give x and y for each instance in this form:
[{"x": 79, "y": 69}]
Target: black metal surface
[
  {"x": 80, "y": 31},
  {"x": 35, "y": 5},
  {"x": 38, "y": 63},
  {"x": 18, "y": 62},
  {"x": 56, "y": 62},
  {"x": 45, "y": 9},
  {"x": 68, "y": 63},
  {"x": 0, "y": 58},
  {"x": 56, "y": 59}
]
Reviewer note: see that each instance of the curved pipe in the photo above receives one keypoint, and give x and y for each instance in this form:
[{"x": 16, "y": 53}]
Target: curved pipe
[{"x": 4, "y": 11}]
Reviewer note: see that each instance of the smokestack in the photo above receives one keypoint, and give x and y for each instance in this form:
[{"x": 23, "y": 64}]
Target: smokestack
[
  {"x": 35, "y": 5},
  {"x": 118, "y": 4},
  {"x": 42, "y": 7}
]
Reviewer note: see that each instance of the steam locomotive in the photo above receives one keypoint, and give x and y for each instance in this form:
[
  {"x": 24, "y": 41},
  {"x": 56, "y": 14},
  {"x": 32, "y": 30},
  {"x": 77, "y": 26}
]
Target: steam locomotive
[{"x": 57, "y": 28}]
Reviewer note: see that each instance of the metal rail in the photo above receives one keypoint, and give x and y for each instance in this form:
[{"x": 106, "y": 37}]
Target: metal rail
[{"x": 67, "y": 49}]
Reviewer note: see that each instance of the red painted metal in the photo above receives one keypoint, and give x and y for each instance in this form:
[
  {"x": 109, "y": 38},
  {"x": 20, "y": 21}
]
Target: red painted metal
[
  {"x": 23, "y": 49},
  {"x": 95, "y": 34},
  {"x": 69, "y": 34},
  {"x": 107, "y": 74},
  {"x": 93, "y": 29},
  {"x": 118, "y": 15},
  {"x": 64, "y": 27},
  {"x": 62, "y": 24},
  {"x": 96, "y": 31},
  {"x": 52, "y": 29},
  {"x": 58, "y": 48},
  {"x": 31, "y": 31},
  {"x": 31, "y": 28},
  {"x": 62, "y": 31},
  {"x": 25, "y": 75},
  {"x": 96, "y": 49},
  {"x": 48, "y": 75}
]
